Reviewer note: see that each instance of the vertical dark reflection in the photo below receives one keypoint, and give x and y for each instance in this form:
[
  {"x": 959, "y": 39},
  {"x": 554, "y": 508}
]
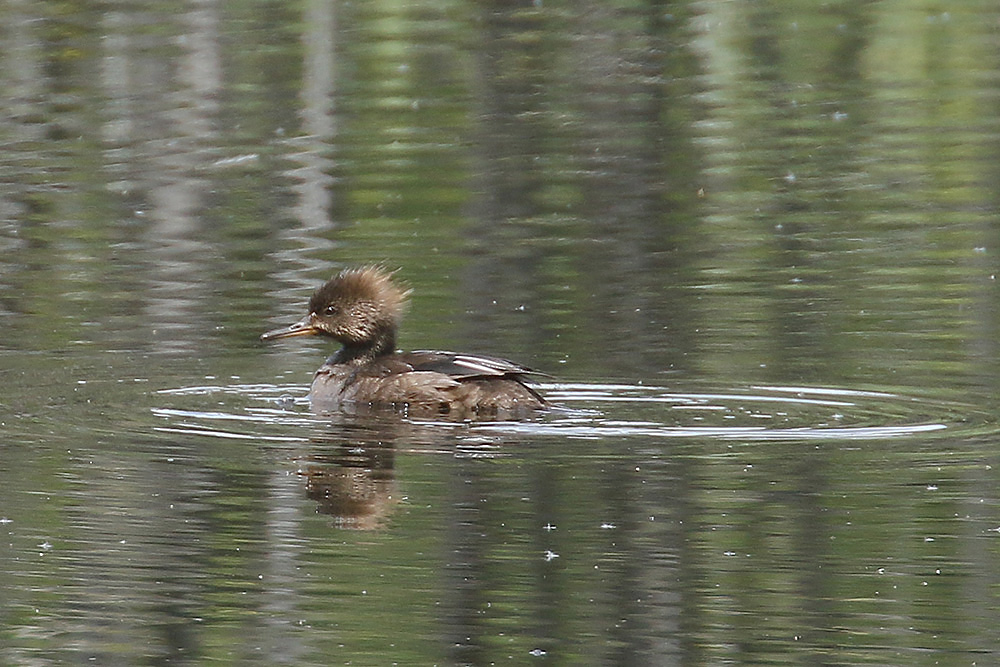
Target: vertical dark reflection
[
  {"x": 174, "y": 181},
  {"x": 149, "y": 565},
  {"x": 303, "y": 245},
  {"x": 513, "y": 84},
  {"x": 279, "y": 116},
  {"x": 513, "y": 80},
  {"x": 588, "y": 189},
  {"x": 464, "y": 571},
  {"x": 632, "y": 87},
  {"x": 811, "y": 530},
  {"x": 822, "y": 99},
  {"x": 572, "y": 562},
  {"x": 26, "y": 198},
  {"x": 318, "y": 107},
  {"x": 984, "y": 343},
  {"x": 983, "y": 351},
  {"x": 643, "y": 589},
  {"x": 802, "y": 225}
]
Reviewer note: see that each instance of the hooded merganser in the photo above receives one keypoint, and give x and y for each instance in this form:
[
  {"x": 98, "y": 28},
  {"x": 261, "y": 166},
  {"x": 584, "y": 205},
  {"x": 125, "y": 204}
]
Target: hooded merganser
[{"x": 361, "y": 308}]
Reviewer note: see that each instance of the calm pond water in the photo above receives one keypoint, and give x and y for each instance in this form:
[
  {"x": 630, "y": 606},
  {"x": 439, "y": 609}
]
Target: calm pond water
[{"x": 755, "y": 245}]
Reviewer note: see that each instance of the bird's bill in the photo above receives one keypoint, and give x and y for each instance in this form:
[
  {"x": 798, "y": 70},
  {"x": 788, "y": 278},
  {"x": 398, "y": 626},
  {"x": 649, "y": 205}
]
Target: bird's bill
[{"x": 304, "y": 327}]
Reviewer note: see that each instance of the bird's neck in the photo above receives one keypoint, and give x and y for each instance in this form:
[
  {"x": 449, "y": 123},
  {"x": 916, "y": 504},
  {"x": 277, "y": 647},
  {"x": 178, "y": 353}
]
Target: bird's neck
[{"x": 382, "y": 344}]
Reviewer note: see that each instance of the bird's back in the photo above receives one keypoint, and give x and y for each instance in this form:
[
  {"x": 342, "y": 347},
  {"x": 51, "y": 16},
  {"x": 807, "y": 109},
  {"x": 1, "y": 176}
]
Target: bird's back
[{"x": 431, "y": 383}]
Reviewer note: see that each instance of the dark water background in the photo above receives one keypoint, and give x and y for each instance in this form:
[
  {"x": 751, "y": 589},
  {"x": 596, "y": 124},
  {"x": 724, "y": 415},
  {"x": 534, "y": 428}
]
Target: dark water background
[{"x": 755, "y": 243}]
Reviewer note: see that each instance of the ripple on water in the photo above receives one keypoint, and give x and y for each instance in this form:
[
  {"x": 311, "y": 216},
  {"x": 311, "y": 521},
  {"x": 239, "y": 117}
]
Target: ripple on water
[{"x": 585, "y": 411}]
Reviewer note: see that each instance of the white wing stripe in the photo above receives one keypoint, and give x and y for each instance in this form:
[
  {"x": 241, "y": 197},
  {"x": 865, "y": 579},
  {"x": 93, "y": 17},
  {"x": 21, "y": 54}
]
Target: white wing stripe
[{"x": 485, "y": 366}]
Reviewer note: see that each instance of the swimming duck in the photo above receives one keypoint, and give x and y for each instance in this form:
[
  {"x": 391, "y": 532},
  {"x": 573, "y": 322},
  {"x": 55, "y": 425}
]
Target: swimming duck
[{"x": 361, "y": 308}]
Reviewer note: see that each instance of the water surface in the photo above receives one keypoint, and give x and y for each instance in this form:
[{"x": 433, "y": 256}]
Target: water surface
[{"x": 755, "y": 246}]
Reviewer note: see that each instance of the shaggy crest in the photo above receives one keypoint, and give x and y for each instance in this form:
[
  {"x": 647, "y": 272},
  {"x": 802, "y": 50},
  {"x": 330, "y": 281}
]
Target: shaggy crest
[{"x": 367, "y": 288}]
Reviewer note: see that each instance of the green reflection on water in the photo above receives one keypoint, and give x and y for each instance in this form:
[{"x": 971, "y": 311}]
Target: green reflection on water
[{"x": 730, "y": 193}]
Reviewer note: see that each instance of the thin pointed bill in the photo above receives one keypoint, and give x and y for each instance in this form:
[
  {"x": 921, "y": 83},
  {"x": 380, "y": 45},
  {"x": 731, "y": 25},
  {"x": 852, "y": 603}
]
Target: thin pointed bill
[{"x": 304, "y": 327}]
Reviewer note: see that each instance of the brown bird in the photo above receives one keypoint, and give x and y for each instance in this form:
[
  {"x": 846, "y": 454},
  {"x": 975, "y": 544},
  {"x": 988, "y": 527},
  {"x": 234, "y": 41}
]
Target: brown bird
[{"x": 361, "y": 308}]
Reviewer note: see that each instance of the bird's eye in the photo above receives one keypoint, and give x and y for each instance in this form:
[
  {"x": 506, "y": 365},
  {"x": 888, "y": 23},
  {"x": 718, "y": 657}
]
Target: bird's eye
[{"x": 331, "y": 310}]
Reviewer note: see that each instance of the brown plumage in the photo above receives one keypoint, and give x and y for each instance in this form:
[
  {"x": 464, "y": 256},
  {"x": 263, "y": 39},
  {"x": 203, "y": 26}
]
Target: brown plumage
[{"x": 361, "y": 308}]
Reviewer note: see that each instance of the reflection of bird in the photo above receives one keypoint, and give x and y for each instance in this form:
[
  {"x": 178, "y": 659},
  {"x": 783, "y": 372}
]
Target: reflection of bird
[
  {"x": 356, "y": 497},
  {"x": 361, "y": 308}
]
